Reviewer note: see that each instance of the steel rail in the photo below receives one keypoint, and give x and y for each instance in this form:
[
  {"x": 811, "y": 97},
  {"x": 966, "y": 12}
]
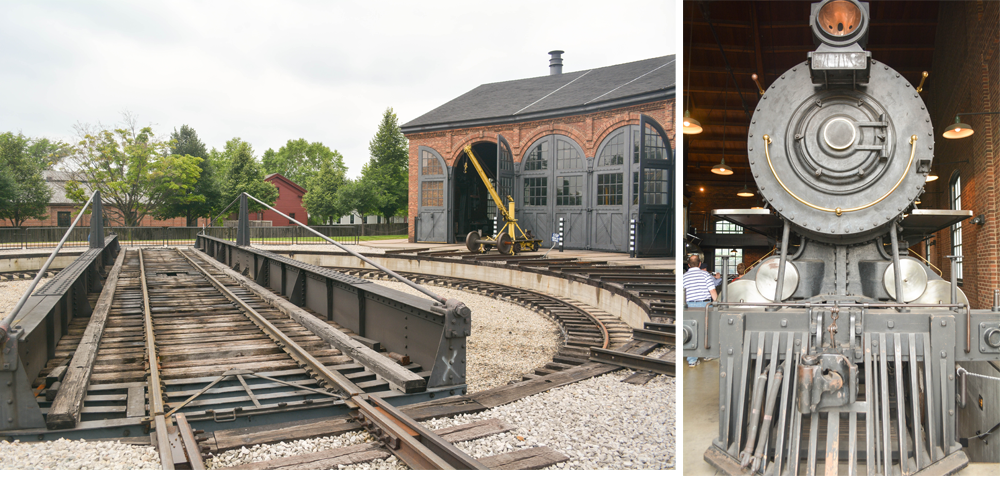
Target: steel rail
[
  {"x": 5, "y": 325},
  {"x": 156, "y": 409},
  {"x": 414, "y": 444},
  {"x": 506, "y": 290},
  {"x": 633, "y": 361},
  {"x": 326, "y": 375},
  {"x": 356, "y": 254}
]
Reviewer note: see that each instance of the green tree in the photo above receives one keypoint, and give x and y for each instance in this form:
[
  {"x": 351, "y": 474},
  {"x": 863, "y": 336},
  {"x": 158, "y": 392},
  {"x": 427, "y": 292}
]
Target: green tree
[
  {"x": 222, "y": 159},
  {"x": 321, "y": 198},
  {"x": 356, "y": 196},
  {"x": 23, "y": 192},
  {"x": 299, "y": 160},
  {"x": 207, "y": 191},
  {"x": 386, "y": 174},
  {"x": 47, "y": 153},
  {"x": 246, "y": 175},
  {"x": 134, "y": 171}
]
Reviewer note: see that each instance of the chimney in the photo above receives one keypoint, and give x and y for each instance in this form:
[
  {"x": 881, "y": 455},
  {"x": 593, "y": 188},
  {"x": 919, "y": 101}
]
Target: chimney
[{"x": 555, "y": 63}]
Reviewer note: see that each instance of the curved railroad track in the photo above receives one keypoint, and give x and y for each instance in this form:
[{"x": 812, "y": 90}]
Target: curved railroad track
[{"x": 582, "y": 326}]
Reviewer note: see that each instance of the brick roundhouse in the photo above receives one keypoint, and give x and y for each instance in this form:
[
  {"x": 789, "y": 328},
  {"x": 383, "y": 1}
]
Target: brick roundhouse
[{"x": 593, "y": 147}]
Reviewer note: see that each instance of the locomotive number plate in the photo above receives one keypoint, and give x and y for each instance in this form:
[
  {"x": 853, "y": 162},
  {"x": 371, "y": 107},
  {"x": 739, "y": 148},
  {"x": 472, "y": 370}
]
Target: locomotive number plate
[{"x": 839, "y": 60}]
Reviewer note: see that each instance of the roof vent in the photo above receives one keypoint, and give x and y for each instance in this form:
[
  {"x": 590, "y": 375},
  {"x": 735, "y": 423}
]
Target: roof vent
[{"x": 555, "y": 62}]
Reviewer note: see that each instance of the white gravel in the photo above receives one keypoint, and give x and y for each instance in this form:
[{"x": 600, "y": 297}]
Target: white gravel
[
  {"x": 10, "y": 293},
  {"x": 507, "y": 342},
  {"x": 259, "y": 453},
  {"x": 76, "y": 454},
  {"x": 600, "y": 423}
]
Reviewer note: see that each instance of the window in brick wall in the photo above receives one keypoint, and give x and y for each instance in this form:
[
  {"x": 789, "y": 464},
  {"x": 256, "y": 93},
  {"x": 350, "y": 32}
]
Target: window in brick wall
[
  {"x": 429, "y": 164},
  {"x": 614, "y": 151},
  {"x": 727, "y": 228},
  {"x": 567, "y": 157},
  {"x": 536, "y": 191},
  {"x": 63, "y": 218},
  {"x": 726, "y": 252},
  {"x": 569, "y": 191},
  {"x": 432, "y": 193},
  {"x": 537, "y": 158},
  {"x": 609, "y": 189},
  {"x": 956, "y": 229}
]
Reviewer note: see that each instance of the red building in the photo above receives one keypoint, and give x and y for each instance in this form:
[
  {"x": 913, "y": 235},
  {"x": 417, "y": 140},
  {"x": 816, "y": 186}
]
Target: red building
[{"x": 289, "y": 202}]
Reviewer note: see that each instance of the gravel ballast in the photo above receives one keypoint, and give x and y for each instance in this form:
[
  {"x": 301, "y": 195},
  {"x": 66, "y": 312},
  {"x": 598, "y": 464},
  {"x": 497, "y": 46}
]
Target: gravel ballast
[
  {"x": 10, "y": 293},
  {"x": 507, "y": 342},
  {"x": 600, "y": 423}
]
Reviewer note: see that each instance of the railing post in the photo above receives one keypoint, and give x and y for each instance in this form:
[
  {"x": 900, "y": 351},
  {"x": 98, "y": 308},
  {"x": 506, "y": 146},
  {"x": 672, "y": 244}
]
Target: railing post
[
  {"x": 97, "y": 222},
  {"x": 243, "y": 228}
]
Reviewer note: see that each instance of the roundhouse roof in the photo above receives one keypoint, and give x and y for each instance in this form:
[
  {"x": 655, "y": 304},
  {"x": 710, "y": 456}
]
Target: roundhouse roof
[{"x": 553, "y": 96}]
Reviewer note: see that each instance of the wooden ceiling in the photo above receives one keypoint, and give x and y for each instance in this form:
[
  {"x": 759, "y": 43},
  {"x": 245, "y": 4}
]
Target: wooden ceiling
[{"x": 726, "y": 42}]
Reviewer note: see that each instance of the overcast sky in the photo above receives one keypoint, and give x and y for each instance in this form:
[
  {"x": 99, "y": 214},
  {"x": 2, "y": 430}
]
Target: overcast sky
[{"x": 268, "y": 72}]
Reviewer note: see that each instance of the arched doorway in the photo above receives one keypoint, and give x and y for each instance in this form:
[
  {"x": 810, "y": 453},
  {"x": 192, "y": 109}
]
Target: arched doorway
[{"x": 474, "y": 208}]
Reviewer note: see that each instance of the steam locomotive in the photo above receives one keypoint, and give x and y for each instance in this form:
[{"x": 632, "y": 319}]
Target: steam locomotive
[{"x": 838, "y": 354}]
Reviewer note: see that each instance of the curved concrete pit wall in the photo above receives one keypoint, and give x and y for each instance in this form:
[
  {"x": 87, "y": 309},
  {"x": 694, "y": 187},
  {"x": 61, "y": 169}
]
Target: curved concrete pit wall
[
  {"x": 31, "y": 263},
  {"x": 609, "y": 302}
]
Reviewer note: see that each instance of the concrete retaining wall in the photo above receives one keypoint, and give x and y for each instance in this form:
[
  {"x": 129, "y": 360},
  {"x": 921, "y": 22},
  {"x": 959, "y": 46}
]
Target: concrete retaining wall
[{"x": 609, "y": 302}]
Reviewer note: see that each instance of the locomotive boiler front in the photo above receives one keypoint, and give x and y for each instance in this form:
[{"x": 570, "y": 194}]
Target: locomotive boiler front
[{"x": 840, "y": 144}]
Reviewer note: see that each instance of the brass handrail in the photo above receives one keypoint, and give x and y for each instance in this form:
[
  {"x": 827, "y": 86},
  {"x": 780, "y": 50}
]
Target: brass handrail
[{"x": 840, "y": 211}]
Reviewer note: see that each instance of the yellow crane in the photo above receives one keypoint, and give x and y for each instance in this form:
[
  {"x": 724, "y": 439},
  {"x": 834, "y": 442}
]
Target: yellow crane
[{"x": 507, "y": 242}]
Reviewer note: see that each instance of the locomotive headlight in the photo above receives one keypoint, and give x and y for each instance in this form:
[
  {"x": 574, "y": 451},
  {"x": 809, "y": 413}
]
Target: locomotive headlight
[
  {"x": 839, "y": 18},
  {"x": 840, "y": 23}
]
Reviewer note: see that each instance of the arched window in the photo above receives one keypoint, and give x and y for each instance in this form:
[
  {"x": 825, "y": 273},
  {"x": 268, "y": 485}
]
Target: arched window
[{"x": 956, "y": 229}]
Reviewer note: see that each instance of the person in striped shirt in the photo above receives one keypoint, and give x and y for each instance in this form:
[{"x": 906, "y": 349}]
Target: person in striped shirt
[{"x": 699, "y": 289}]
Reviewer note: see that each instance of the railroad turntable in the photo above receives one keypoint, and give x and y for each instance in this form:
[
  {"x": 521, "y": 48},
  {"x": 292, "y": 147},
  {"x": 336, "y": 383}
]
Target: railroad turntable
[{"x": 224, "y": 346}]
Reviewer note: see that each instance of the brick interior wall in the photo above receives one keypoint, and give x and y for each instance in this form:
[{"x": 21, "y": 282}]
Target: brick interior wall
[
  {"x": 586, "y": 130},
  {"x": 966, "y": 78}
]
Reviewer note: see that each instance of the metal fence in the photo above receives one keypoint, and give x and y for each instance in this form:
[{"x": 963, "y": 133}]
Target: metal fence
[
  {"x": 384, "y": 229},
  {"x": 295, "y": 235},
  {"x": 49, "y": 236}
]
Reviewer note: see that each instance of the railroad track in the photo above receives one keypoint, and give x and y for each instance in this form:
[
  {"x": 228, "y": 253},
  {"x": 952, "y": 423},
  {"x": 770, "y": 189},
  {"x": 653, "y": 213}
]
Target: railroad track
[
  {"x": 181, "y": 341},
  {"x": 583, "y": 326},
  {"x": 654, "y": 289}
]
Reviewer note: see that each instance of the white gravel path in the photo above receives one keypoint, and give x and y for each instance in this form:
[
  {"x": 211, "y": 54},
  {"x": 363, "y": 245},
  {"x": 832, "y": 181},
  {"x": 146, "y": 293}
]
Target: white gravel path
[
  {"x": 76, "y": 454},
  {"x": 600, "y": 423},
  {"x": 507, "y": 342},
  {"x": 10, "y": 293},
  {"x": 259, "y": 453}
]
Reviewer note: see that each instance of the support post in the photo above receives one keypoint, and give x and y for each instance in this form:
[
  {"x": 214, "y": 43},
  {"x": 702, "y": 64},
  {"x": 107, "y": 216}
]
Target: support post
[
  {"x": 725, "y": 279},
  {"x": 97, "y": 222},
  {"x": 243, "y": 226},
  {"x": 779, "y": 288},
  {"x": 897, "y": 272}
]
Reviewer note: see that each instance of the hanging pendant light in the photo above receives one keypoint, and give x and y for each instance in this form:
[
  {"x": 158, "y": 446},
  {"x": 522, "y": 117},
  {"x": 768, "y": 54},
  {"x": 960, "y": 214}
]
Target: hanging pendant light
[
  {"x": 958, "y": 130},
  {"x": 745, "y": 192},
  {"x": 691, "y": 126},
  {"x": 722, "y": 169}
]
